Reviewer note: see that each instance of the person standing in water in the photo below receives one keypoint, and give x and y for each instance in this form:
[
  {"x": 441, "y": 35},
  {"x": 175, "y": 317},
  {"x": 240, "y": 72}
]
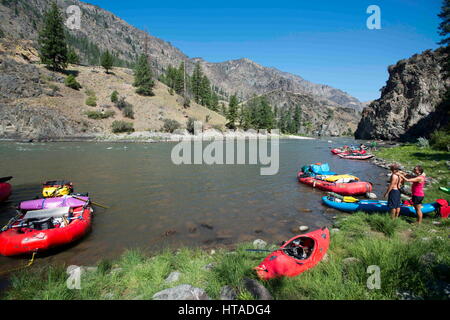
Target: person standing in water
[
  {"x": 417, "y": 190},
  {"x": 393, "y": 191}
]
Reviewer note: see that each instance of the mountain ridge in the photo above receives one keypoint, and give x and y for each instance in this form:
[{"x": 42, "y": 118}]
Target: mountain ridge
[{"x": 127, "y": 41}]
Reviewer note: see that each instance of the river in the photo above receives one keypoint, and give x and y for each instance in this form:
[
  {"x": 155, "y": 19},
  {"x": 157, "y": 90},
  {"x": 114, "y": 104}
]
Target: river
[{"x": 195, "y": 205}]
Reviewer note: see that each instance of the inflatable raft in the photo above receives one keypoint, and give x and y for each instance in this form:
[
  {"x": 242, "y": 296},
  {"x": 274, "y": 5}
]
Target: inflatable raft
[
  {"x": 374, "y": 206},
  {"x": 296, "y": 256},
  {"x": 5, "y": 188},
  {"x": 5, "y": 191},
  {"x": 345, "y": 189},
  {"x": 342, "y": 151},
  {"x": 355, "y": 156},
  {"x": 41, "y": 230}
]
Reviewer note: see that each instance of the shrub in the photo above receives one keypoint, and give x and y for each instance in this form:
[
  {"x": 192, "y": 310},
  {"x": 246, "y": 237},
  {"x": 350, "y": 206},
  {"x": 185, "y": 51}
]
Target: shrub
[
  {"x": 128, "y": 111},
  {"x": 190, "y": 125},
  {"x": 170, "y": 125},
  {"x": 423, "y": 143},
  {"x": 91, "y": 101},
  {"x": 122, "y": 126},
  {"x": 145, "y": 91},
  {"x": 96, "y": 115},
  {"x": 440, "y": 140},
  {"x": 115, "y": 96},
  {"x": 121, "y": 103},
  {"x": 125, "y": 107},
  {"x": 71, "y": 82}
]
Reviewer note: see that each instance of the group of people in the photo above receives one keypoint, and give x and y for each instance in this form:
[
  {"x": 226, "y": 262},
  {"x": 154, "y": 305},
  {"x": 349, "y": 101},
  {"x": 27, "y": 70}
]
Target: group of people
[{"x": 396, "y": 183}]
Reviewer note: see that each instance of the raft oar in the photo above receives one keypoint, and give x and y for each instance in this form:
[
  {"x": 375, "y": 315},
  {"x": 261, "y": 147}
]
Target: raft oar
[
  {"x": 263, "y": 250},
  {"x": 94, "y": 203}
]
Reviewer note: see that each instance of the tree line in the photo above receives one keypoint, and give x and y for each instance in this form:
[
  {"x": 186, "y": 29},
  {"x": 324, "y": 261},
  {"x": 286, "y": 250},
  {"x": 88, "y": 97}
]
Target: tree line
[{"x": 196, "y": 86}]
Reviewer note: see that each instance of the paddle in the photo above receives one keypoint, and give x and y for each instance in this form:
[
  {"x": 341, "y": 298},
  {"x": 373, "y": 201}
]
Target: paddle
[
  {"x": 262, "y": 250},
  {"x": 5, "y": 179},
  {"x": 94, "y": 203}
]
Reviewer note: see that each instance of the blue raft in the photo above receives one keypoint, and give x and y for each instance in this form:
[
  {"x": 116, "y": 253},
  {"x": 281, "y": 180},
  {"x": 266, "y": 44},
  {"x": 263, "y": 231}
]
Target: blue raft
[{"x": 375, "y": 206}]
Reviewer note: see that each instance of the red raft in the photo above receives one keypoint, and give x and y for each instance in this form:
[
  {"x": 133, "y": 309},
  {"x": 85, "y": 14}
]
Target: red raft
[
  {"x": 355, "y": 156},
  {"x": 295, "y": 256},
  {"x": 342, "y": 151},
  {"x": 38, "y": 230},
  {"x": 5, "y": 189},
  {"x": 345, "y": 189}
]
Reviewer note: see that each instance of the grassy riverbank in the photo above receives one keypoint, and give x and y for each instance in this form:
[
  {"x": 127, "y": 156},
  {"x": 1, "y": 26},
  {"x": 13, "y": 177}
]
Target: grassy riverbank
[
  {"x": 433, "y": 162},
  {"x": 413, "y": 259}
]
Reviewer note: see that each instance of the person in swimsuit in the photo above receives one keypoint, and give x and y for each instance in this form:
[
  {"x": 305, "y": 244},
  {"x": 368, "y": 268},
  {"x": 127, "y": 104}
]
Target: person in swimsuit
[
  {"x": 418, "y": 183},
  {"x": 393, "y": 191}
]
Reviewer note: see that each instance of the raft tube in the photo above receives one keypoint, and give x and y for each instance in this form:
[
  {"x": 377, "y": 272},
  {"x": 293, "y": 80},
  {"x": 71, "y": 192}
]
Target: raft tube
[
  {"x": 345, "y": 189},
  {"x": 353, "y": 156},
  {"x": 50, "y": 203},
  {"x": 5, "y": 191},
  {"x": 342, "y": 151},
  {"x": 20, "y": 241},
  {"x": 375, "y": 206}
]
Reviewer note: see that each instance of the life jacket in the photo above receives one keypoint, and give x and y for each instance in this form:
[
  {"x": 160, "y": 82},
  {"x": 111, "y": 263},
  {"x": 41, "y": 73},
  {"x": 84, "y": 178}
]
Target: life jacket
[{"x": 52, "y": 189}]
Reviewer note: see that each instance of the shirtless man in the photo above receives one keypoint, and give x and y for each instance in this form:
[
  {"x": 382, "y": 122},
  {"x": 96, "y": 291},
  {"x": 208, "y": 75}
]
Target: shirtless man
[{"x": 393, "y": 191}]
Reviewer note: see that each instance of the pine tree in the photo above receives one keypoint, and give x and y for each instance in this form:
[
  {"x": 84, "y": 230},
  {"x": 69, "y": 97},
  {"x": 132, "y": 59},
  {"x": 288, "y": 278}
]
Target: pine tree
[
  {"x": 232, "y": 114},
  {"x": 179, "y": 79},
  {"x": 107, "y": 61},
  {"x": 205, "y": 91},
  {"x": 143, "y": 78},
  {"x": 52, "y": 41},
  {"x": 444, "y": 28},
  {"x": 196, "y": 84},
  {"x": 72, "y": 56}
]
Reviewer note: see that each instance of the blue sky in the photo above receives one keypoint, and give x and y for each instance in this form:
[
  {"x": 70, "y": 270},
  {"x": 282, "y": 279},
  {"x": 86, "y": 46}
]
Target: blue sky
[{"x": 322, "y": 41}]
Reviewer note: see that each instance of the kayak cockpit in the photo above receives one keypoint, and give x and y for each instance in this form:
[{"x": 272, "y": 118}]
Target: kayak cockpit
[{"x": 300, "y": 248}]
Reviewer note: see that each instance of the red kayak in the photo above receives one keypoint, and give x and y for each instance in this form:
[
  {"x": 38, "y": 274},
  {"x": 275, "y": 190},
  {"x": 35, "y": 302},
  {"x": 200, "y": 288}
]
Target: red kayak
[
  {"x": 355, "y": 156},
  {"x": 40, "y": 230},
  {"x": 345, "y": 189},
  {"x": 295, "y": 256},
  {"x": 342, "y": 151},
  {"x": 5, "y": 189}
]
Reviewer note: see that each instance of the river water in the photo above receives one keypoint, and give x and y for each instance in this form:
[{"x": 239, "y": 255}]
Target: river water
[{"x": 155, "y": 204}]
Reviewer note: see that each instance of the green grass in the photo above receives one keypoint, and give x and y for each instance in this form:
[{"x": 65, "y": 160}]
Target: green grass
[
  {"x": 433, "y": 162},
  {"x": 397, "y": 247}
]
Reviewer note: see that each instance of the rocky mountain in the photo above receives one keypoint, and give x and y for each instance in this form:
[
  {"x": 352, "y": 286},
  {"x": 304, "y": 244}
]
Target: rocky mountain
[
  {"x": 101, "y": 30},
  {"x": 317, "y": 118},
  {"x": 248, "y": 78},
  {"x": 411, "y": 103}
]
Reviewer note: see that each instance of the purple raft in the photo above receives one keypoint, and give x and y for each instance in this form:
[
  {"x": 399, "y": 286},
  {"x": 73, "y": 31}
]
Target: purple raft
[{"x": 50, "y": 203}]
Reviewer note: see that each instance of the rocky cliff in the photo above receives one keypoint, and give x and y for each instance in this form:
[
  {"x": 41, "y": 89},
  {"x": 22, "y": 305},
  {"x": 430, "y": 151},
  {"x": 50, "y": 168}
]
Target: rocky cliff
[
  {"x": 411, "y": 103},
  {"x": 317, "y": 117},
  {"x": 101, "y": 30}
]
